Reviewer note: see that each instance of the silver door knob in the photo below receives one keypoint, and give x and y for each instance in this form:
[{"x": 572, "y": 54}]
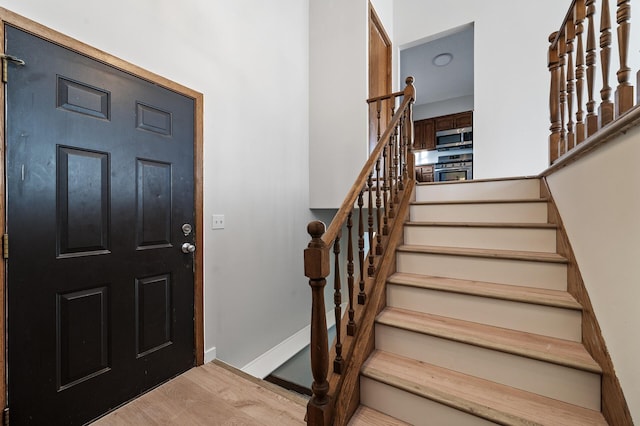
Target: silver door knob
[{"x": 188, "y": 248}]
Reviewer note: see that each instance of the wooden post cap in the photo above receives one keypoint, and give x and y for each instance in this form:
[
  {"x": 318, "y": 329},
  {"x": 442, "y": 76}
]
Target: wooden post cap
[{"x": 316, "y": 255}]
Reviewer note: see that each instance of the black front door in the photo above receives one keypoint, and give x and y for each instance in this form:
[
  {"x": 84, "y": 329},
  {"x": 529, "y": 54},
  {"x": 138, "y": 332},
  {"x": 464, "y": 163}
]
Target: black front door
[{"x": 100, "y": 200}]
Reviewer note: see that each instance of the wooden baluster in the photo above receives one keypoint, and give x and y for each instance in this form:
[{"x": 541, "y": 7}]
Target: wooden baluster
[
  {"x": 570, "y": 34},
  {"x": 316, "y": 268},
  {"x": 401, "y": 148},
  {"x": 378, "y": 211},
  {"x": 392, "y": 201},
  {"x": 351, "y": 325},
  {"x": 362, "y": 297},
  {"x": 554, "y": 100},
  {"x": 562, "y": 50},
  {"x": 337, "y": 303},
  {"x": 371, "y": 270},
  {"x": 606, "y": 109},
  {"x": 592, "y": 118},
  {"x": 378, "y": 108},
  {"x": 624, "y": 91},
  {"x": 396, "y": 156},
  {"x": 579, "y": 14},
  {"x": 385, "y": 189}
]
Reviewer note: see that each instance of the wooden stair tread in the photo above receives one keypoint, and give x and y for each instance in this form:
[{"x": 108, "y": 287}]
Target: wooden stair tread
[
  {"x": 483, "y": 398},
  {"x": 481, "y": 201},
  {"x": 485, "y": 225},
  {"x": 486, "y": 253},
  {"x": 543, "y": 348},
  {"x": 538, "y": 296},
  {"x": 365, "y": 416}
]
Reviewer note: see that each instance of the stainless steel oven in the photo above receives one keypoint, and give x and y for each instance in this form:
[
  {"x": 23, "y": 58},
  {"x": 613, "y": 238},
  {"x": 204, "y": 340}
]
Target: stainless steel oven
[{"x": 453, "y": 168}]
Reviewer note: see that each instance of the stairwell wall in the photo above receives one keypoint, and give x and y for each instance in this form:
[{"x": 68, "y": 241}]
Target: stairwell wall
[{"x": 599, "y": 202}]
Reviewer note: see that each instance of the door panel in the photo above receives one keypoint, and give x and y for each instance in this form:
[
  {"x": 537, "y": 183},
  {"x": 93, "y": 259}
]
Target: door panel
[{"x": 99, "y": 183}]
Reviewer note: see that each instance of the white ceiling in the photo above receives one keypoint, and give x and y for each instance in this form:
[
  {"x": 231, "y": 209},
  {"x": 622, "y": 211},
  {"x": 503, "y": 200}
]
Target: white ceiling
[{"x": 434, "y": 83}]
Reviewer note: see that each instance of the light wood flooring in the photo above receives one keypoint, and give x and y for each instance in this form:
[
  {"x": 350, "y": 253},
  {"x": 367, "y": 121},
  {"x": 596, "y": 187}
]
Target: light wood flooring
[{"x": 212, "y": 394}]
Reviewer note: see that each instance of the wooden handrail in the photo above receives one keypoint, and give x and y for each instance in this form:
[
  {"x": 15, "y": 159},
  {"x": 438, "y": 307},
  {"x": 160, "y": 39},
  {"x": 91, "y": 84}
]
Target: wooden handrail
[
  {"x": 392, "y": 162},
  {"x": 352, "y": 194},
  {"x": 569, "y": 127}
]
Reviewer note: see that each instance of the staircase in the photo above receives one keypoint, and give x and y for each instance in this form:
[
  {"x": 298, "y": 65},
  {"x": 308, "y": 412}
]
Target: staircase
[{"x": 479, "y": 328}]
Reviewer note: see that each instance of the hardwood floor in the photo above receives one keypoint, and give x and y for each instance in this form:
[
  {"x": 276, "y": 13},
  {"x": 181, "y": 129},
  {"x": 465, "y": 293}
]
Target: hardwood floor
[{"x": 212, "y": 394}]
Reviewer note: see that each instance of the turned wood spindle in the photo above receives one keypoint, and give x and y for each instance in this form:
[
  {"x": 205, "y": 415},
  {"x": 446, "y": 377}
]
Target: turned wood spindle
[
  {"x": 392, "y": 201},
  {"x": 378, "y": 211},
  {"x": 385, "y": 189},
  {"x": 371, "y": 269},
  {"x": 570, "y": 34},
  {"x": 606, "y": 109},
  {"x": 624, "y": 91},
  {"x": 337, "y": 304},
  {"x": 362, "y": 297},
  {"x": 562, "y": 51},
  {"x": 316, "y": 268},
  {"x": 402, "y": 141},
  {"x": 579, "y": 14},
  {"x": 554, "y": 100},
  {"x": 396, "y": 162},
  {"x": 351, "y": 325},
  {"x": 592, "y": 118}
]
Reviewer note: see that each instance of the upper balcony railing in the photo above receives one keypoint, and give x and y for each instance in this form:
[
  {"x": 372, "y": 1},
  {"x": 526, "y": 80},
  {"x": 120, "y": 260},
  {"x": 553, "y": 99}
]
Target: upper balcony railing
[{"x": 576, "y": 111}]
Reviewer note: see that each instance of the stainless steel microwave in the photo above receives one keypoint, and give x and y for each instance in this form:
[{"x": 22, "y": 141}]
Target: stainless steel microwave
[{"x": 454, "y": 138}]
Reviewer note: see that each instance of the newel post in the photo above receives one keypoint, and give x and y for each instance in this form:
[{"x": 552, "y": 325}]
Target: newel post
[
  {"x": 316, "y": 268},
  {"x": 410, "y": 93}
]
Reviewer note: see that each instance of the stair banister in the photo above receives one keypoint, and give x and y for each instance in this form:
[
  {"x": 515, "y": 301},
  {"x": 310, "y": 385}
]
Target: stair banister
[
  {"x": 566, "y": 103},
  {"x": 397, "y": 141}
]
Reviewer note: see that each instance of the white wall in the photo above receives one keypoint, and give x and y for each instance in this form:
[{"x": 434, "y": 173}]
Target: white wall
[
  {"x": 511, "y": 93},
  {"x": 250, "y": 59},
  {"x": 599, "y": 202},
  {"x": 448, "y": 106},
  {"x": 338, "y": 89}
]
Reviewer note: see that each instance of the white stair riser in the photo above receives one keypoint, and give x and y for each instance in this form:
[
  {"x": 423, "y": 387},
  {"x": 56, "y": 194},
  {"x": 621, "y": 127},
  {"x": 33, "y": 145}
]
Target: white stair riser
[
  {"x": 533, "y": 212},
  {"x": 525, "y": 239},
  {"x": 545, "y": 320},
  {"x": 493, "y": 190},
  {"x": 501, "y": 271},
  {"x": 554, "y": 381},
  {"x": 412, "y": 408}
]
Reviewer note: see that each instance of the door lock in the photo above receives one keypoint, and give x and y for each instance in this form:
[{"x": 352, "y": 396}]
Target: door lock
[{"x": 188, "y": 248}]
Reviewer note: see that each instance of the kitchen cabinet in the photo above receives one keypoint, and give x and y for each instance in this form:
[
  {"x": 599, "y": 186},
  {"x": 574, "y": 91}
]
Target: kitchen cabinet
[
  {"x": 424, "y": 134},
  {"x": 424, "y": 173},
  {"x": 454, "y": 121}
]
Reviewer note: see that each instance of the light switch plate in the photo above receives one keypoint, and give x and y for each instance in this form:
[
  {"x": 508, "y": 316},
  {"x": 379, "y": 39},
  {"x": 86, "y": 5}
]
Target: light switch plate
[{"x": 217, "y": 221}]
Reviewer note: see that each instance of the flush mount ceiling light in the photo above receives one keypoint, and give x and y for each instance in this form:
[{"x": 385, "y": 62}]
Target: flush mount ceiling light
[{"x": 442, "y": 60}]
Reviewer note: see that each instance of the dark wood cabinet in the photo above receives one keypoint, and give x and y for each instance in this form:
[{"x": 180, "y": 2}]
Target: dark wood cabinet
[
  {"x": 464, "y": 119},
  {"x": 424, "y": 134},
  {"x": 425, "y": 130},
  {"x": 454, "y": 121},
  {"x": 424, "y": 173}
]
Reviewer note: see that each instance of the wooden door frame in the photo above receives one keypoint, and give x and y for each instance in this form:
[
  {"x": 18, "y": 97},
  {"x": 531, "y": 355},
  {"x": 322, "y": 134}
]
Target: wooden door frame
[
  {"x": 38, "y": 30},
  {"x": 376, "y": 23}
]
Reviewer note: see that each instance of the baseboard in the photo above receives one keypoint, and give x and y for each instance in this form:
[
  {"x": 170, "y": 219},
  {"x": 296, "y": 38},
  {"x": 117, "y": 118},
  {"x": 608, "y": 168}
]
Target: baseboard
[
  {"x": 210, "y": 355},
  {"x": 266, "y": 363}
]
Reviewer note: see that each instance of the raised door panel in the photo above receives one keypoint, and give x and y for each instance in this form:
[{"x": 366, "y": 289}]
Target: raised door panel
[
  {"x": 464, "y": 119},
  {"x": 445, "y": 122}
]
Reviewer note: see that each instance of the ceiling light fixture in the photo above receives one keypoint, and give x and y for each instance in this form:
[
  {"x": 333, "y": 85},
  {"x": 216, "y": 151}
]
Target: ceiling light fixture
[{"x": 442, "y": 60}]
